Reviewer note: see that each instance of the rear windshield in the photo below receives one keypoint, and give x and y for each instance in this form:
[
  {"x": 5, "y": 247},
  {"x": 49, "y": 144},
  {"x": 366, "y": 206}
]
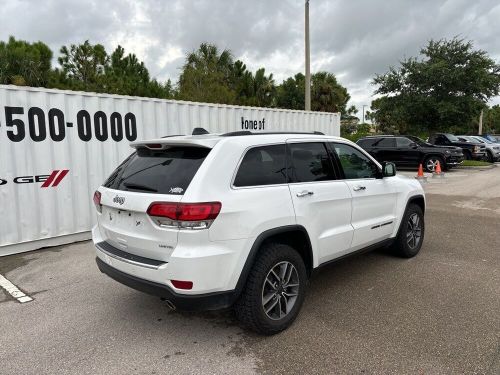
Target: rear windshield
[{"x": 167, "y": 171}]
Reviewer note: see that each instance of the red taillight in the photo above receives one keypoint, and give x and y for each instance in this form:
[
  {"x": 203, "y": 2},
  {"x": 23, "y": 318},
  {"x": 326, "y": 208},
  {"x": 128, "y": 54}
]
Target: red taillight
[
  {"x": 198, "y": 211},
  {"x": 163, "y": 210},
  {"x": 185, "y": 211},
  {"x": 185, "y": 215},
  {"x": 97, "y": 201},
  {"x": 182, "y": 284}
]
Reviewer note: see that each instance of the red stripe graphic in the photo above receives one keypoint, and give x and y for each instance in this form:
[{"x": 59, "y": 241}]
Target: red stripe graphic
[
  {"x": 49, "y": 180},
  {"x": 63, "y": 173}
]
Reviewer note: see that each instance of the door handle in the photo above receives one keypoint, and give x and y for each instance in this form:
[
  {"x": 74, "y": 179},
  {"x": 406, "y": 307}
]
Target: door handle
[
  {"x": 359, "y": 188},
  {"x": 305, "y": 193}
]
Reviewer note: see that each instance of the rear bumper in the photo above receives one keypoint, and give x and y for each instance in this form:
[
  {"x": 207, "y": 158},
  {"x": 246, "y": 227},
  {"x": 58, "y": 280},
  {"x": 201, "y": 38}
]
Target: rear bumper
[
  {"x": 192, "y": 302},
  {"x": 212, "y": 266}
]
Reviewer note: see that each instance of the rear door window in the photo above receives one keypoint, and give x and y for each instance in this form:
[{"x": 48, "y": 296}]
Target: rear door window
[
  {"x": 385, "y": 143},
  {"x": 263, "y": 165},
  {"x": 367, "y": 142},
  {"x": 167, "y": 171},
  {"x": 310, "y": 162}
]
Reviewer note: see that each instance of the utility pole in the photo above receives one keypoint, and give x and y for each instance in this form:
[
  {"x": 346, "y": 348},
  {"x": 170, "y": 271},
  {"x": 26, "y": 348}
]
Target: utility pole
[
  {"x": 364, "y": 105},
  {"x": 308, "y": 62},
  {"x": 481, "y": 123}
]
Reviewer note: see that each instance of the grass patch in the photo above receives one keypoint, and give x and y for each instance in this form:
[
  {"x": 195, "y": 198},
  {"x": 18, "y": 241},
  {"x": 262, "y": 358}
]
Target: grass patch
[{"x": 475, "y": 163}]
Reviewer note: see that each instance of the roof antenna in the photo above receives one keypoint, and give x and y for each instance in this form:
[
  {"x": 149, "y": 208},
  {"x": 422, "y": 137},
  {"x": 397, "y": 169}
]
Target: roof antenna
[{"x": 200, "y": 131}]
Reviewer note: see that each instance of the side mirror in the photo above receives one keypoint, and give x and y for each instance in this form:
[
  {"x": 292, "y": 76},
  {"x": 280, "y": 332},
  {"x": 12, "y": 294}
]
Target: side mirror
[
  {"x": 413, "y": 145},
  {"x": 388, "y": 169}
]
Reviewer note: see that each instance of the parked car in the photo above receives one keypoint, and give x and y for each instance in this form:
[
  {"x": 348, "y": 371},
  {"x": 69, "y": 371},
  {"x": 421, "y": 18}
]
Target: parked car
[
  {"x": 243, "y": 219},
  {"x": 490, "y": 137},
  {"x": 492, "y": 149},
  {"x": 476, "y": 151},
  {"x": 410, "y": 151}
]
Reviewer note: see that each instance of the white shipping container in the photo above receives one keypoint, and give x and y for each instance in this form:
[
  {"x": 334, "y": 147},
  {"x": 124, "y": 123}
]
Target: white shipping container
[{"x": 57, "y": 147}]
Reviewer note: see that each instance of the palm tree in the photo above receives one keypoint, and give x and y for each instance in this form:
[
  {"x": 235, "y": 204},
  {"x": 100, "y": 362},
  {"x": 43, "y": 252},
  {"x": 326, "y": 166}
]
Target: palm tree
[
  {"x": 264, "y": 88},
  {"x": 207, "y": 59},
  {"x": 206, "y": 76}
]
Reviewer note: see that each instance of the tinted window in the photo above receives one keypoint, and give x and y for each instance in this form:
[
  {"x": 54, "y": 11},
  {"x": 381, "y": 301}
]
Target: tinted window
[
  {"x": 158, "y": 171},
  {"x": 438, "y": 139},
  {"x": 310, "y": 162},
  {"x": 262, "y": 166},
  {"x": 354, "y": 163},
  {"x": 385, "y": 142},
  {"x": 418, "y": 141},
  {"x": 403, "y": 142},
  {"x": 367, "y": 142}
]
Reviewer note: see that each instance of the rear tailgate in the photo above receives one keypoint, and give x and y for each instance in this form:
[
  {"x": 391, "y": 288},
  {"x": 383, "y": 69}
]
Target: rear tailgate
[
  {"x": 147, "y": 176},
  {"x": 125, "y": 224}
]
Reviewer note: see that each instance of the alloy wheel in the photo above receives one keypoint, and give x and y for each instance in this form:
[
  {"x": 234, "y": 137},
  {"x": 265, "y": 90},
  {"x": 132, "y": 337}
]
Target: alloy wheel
[
  {"x": 280, "y": 290},
  {"x": 414, "y": 231},
  {"x": 431, "y": 165}
]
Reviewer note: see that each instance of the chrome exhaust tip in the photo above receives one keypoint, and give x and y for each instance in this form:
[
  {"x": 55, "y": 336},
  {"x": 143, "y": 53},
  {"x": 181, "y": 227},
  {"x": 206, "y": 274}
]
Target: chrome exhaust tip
[{"x": 169, "y": 304}]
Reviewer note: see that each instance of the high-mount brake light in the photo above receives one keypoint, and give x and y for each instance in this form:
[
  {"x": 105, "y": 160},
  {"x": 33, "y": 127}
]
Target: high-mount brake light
[
  {"x": 154, "y": 146},
  {"x": 184, "y": 215},
  {"x": 97, "y": 201}
]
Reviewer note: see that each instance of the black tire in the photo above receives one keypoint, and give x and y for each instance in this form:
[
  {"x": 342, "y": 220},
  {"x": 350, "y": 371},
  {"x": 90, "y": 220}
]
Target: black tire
[
  {"x": 402, "y": 246},
  {"x": 249, "y": 308},
  {"x": 467, "y": 155},
  {"x": 489, "y": 157},
  {"x": 433, "y": 159}
]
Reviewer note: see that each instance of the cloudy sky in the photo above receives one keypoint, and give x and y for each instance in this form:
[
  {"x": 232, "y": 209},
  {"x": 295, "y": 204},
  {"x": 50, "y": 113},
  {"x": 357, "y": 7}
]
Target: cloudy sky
[{"x": 355, "y": 39}]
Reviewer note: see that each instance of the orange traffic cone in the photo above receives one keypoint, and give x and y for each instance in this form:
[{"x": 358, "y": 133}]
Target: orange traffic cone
[
  {"x": 437, "y": 171},
  {"x": 438, "y": 168},
  {"x": 420, "y": 173}
]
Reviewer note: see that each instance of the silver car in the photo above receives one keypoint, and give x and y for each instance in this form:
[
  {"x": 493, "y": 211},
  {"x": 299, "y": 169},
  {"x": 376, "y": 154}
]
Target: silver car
[{"x": 492, "y": 148}]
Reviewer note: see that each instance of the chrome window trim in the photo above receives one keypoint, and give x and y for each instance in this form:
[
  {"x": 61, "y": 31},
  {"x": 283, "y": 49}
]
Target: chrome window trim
[{"x": 324, "y": 140}]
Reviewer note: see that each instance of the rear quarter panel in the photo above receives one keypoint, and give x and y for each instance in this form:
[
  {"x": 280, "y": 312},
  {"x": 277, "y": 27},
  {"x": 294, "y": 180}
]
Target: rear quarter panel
[{"x": 247, "y": 211}]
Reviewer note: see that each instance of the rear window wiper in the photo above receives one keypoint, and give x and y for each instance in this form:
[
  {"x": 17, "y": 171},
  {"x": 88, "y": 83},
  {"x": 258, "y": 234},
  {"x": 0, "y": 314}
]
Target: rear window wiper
[{"x": 139, "y": 187}]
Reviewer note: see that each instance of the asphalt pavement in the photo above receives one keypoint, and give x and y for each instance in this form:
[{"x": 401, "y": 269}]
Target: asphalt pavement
[{"x": 438, "y": 313}]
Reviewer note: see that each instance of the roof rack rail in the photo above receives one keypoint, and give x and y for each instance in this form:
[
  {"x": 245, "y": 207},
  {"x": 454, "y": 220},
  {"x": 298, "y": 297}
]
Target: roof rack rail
[
  {"x": 248, "y": 132},
  {"x": 237, "y": 133},
  {"x": 383, "y": 135},
  {"x": 175, "y": 135},
  {"x": 199, "y": 131}
]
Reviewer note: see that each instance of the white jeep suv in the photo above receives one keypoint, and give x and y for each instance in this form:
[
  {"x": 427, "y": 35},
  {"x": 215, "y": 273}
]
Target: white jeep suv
[{"x": 243, "y": 219}]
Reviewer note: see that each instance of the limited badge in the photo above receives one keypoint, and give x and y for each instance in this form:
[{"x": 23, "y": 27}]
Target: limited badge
[{"x": 176, "y": 190}]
